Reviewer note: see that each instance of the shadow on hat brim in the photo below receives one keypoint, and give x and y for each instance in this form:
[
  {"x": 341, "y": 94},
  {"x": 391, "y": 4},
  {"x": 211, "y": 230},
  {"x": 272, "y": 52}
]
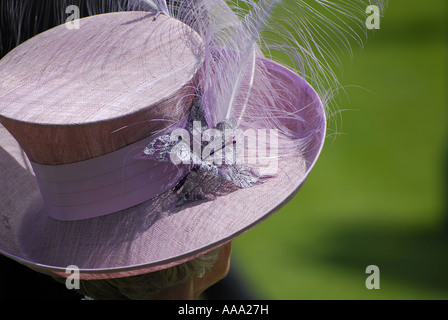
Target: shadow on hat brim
[{"x": 154, "y": 235}]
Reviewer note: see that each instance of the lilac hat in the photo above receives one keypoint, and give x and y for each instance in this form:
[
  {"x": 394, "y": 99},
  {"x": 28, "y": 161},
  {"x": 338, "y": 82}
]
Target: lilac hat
[{"x": 133, "y": 144}]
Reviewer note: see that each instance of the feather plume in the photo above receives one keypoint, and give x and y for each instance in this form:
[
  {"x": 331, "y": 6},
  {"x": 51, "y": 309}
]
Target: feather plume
[{"x": 308, "y": 36}]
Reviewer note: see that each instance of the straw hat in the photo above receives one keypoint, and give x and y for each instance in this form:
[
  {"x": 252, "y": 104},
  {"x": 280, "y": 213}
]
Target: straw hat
[{"x": 84, "y": 114}]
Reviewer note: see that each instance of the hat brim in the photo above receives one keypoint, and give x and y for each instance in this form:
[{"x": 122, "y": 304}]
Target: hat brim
[{"x": 153, "y": 235}]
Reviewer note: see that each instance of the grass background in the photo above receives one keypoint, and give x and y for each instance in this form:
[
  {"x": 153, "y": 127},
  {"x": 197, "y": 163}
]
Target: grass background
[{"x": 377, "y": 195}]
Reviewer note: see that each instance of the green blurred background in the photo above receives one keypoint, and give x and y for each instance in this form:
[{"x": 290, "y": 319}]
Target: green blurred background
[{"x": 377, "y": 195}]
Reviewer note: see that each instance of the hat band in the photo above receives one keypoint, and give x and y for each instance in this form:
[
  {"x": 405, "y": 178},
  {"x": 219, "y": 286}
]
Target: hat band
[{"x": 106, "y": 184}]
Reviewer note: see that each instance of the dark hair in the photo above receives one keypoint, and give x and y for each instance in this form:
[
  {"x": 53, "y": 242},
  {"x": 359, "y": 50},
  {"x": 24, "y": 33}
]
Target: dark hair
[{"x": 21, "y": 20}]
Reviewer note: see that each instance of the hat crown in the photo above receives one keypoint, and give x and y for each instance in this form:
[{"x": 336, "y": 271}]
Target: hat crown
[{"x": 70, "y": 95}]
